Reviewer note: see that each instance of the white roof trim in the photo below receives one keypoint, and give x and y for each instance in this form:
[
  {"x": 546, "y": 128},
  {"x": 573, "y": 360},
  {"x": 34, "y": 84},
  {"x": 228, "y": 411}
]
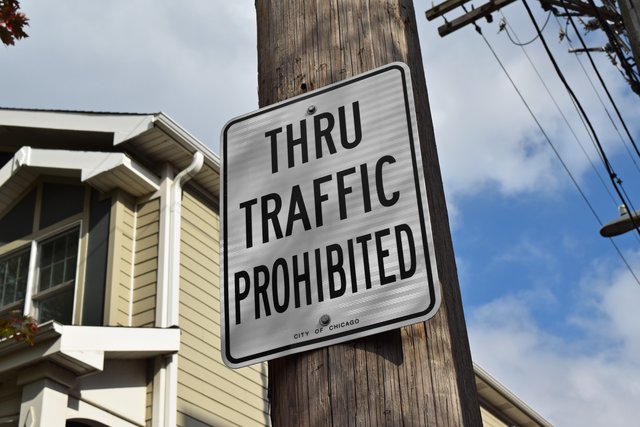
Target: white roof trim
[
  {"x": 84, "y": 348},
  {"x": 123, "y": 126},
  {"x": 138, "y": 134},
  {"x": 508, "y": 397},
  {"x": 176, "y": 131},
  {"x": 118, "y": 339},
  {"x": 93, "y": 166}
]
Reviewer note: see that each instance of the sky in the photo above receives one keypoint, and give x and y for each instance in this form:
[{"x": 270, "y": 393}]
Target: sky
[{"x": 550, "y": 305}]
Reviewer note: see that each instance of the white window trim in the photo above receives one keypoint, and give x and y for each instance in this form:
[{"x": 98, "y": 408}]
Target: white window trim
[
  {"x": 31, "y": 275},
  {"x": 35, "y": 241},
  {"x": 19, "y": 304}
]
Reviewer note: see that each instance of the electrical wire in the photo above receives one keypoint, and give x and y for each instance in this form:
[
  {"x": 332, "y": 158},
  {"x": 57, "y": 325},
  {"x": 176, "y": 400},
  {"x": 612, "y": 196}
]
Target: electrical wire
[
  {"x": 564, "y": 27},
  {"x": 612, "y": 122},
  {"x": 575, "y": 136},
  {"x": 555, "y": 151},
  {"x": 617, "y": 182},
  {"x": 606, "y": 110},
  {"x": 633, "y": 79},
  {"x": 517, "y": 41},
  {"x": 604, "y": 86}
]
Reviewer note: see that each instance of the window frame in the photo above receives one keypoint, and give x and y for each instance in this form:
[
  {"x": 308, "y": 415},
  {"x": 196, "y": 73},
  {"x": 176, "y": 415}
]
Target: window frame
[
  {"x": 82, "y": 220},
  {"x": 33, "y": 242},
  {"x": 37, "y": 295},
  {"x": 15, "y": 305},
  {"x": 38, "y": 234}
]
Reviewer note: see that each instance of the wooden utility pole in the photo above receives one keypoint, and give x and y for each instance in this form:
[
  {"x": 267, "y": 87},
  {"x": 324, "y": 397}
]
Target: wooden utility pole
[
  {"x": 630, "y": 11},
  {"x": 421, "y": 375}
]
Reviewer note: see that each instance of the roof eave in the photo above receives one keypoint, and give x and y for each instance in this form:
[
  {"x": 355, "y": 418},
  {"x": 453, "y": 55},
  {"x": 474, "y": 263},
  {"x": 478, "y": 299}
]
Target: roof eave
[
  {"x": 82, "y": 349},
  {"x": 509, "y": 397},
  {"x": 122, "y": 126},
  {"x": 181, "y": 136}
]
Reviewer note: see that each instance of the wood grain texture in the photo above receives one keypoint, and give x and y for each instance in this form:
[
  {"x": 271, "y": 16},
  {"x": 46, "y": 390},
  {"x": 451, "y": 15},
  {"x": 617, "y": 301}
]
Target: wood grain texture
[{"x": 420, "y": 375}]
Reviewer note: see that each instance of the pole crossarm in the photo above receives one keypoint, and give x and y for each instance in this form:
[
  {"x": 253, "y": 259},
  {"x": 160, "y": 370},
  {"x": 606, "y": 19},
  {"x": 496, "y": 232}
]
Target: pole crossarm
[
  {"x": 616, "y": 24},
  {"x": 472, "y": 16},
  {"x": 443, "y": 8},
  {"x": 578, "y": 6}
]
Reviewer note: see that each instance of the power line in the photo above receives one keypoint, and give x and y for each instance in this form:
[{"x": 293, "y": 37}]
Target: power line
[
  {"x": 615, "y": 180},
  {"x": 604, "y": 86},
  {"x": 631, "y": 75},
  {"x": 544, "y": 84},
  {"x": 564, "y": 165},
  {"x": 606, "y": 110},
  {"x": 517, "y": 41},
  {"x": 612, "y": 122}
]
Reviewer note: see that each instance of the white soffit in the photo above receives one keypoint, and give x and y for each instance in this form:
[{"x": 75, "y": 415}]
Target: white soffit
[
  {"x": 169, "y": 141},
  {"x": 82, "y": 349},
  {"x": 184, "y": 138},
  {"x": 123, "y": 126},
  {"x": 155, "y": 137},
  {"x": 104, "y": 171}
]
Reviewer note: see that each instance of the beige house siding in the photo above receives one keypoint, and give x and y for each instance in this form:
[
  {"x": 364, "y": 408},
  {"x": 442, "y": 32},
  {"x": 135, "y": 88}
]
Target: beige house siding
[
  {"x": 145, "y": 271},
  {"x": 148, "y": 413},
  {"x": 120, "y": 264},
  {"x": 208, "y": 391},
  {"x": 490, "y": 420}
]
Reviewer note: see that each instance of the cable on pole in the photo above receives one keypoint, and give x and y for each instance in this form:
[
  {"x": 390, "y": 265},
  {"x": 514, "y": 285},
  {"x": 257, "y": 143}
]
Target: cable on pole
[
  {"x": 612, "y": 175},
  {"x": 615, "y": 43},
  {"x": 504, "y": 26},
  {"x": 555, "y": 151},
  {"x": 615, "y": 107},
  {"x": 564, "y": 117}
]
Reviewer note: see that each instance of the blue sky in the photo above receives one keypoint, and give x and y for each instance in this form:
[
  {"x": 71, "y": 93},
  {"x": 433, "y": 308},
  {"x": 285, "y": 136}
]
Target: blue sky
[
  {"x": 551, "y": 309},
  {"x": 550, "y": 306}
]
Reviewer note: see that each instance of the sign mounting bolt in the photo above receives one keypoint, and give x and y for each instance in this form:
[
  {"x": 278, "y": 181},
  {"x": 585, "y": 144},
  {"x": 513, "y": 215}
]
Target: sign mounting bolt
[
  {"x": 311, "y": 109},
  {"x": 325, "y": 319}
]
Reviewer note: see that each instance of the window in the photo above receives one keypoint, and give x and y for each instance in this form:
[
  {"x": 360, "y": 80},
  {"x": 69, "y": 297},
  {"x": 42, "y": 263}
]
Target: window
[
  {"x": 47, "y": 293},
  {"x": 53, "y": 298},
  {"x": 13, "y": 280},
  {"x": 43, "y": 235}
]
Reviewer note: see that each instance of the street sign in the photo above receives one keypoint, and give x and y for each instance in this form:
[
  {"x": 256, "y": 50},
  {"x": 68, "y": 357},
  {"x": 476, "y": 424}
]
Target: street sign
[{"x": 325, "y": 230}]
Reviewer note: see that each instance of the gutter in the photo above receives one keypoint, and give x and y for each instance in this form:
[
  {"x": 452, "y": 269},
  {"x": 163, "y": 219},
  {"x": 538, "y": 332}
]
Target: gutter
[
  {"x": 165, "y": 389},
  {"x": 186, "y": 140},
  {"x": 511, "y": 398}
]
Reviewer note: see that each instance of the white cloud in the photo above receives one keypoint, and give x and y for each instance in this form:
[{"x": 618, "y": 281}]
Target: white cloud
[
  {"x": 526, "y": 251},
  {"x": 592, "y": 378},
  {"x": 194, "y": 60},
  {"x": 486, "y": 137}
]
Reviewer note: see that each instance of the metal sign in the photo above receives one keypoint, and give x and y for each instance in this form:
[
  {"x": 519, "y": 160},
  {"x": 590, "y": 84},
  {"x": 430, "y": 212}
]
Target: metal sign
[{"x": 325, "y": 230}]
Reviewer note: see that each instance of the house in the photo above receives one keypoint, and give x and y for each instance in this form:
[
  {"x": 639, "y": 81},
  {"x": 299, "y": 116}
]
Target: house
[
  {"x": 499, "y": 407},
  {"x": 109, "y": 239}
]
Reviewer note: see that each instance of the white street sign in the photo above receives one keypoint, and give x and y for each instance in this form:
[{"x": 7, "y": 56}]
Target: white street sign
[{"x": 325, "y": 230}]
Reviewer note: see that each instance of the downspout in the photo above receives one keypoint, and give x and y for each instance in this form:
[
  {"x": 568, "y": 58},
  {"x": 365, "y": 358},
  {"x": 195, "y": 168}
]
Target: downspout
[
  {"x": 174, "y": 237},
  {"x": 166, "y": 379}
]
